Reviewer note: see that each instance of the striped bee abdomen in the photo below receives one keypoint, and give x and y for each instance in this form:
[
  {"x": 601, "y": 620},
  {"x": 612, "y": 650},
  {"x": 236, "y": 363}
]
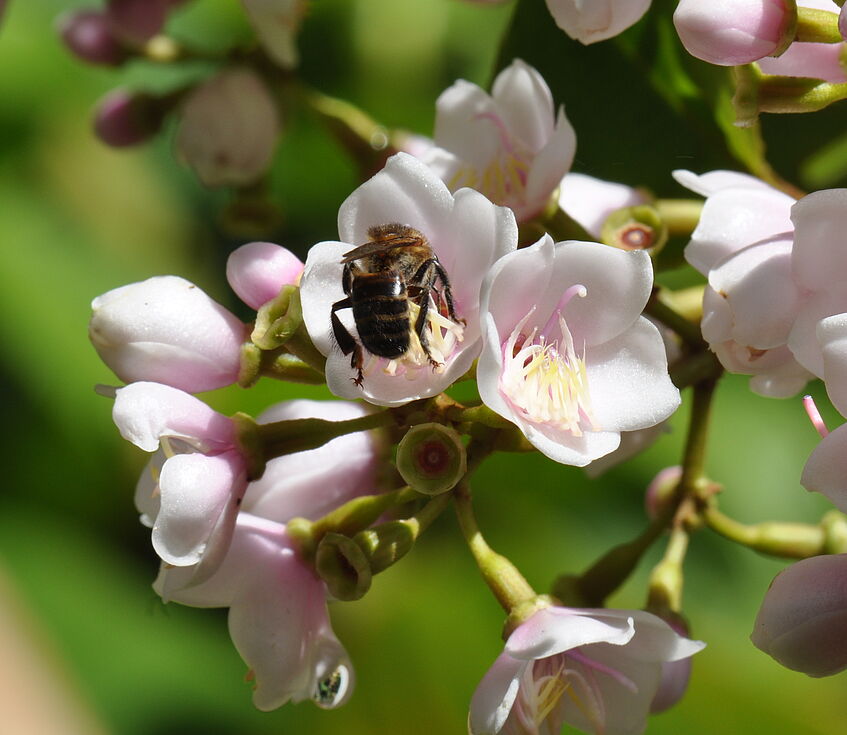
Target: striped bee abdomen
[{"x": 381, "y": 312}]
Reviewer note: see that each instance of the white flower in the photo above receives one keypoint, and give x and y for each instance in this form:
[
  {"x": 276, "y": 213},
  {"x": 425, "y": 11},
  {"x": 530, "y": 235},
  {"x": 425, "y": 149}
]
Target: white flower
[
  {"x": 465, "y": 231},
  {"x": 596, "y": 670},
  {"x": 511, "y": 145},
  {"x": 567, "y": 355},
  {"x": 589, "y": 21}
]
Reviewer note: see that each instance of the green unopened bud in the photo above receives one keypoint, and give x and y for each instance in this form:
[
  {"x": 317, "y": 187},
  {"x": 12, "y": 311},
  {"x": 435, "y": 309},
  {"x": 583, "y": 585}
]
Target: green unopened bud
[
  {"x": 834, "y": 526},
  {"x": 278, "y": 320},
  {"x": 343, "y": 566},
  {"x": 386, "y": 544},
  {"x": 431, "y": 458},
  {"x": 635, "y": 228}
]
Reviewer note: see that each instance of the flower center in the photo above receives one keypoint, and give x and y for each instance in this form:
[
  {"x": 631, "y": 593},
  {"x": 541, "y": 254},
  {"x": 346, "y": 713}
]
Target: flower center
[{"x": 544, "y": 379}]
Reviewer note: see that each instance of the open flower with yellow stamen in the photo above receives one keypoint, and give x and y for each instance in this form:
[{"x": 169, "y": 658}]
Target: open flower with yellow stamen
[
  {"x": 596, "y": 670},
  {"x": 567, "y": 355},
  {"x": 511, "y": 145}
]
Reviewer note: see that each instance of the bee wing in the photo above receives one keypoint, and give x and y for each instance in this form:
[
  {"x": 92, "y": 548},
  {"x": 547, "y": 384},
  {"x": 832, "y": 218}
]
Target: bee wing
[{"x": 376, "y": 246}]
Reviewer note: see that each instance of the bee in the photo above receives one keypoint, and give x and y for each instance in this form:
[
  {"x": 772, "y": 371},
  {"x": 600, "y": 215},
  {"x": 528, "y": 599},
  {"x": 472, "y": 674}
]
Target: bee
[{"x": 396, "y": 267}]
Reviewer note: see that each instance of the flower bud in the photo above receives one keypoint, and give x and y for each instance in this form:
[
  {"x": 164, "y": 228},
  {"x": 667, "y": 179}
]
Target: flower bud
[
  {"x": 733, "y": 33},
  {"x": 842, "y": 22},
  {"x": 597, "y": 20},
  {"x": 126, "y": 118},
  {"x": 803, "y": 618},
  {"x": 228, "y": 129},
  {"x": 385, "y": 544},
  {"x": 431, "y": 458},
  {"x": 137, "y": 21},
  {"x": 258, "y": 270},
  {"x": 88, "y": 35},
  {"x": 167, "y": 330},
  {"x": 343, "y": 566},
  {"x": 635, "y": 228},
  {"x": 661, "y": 490}
]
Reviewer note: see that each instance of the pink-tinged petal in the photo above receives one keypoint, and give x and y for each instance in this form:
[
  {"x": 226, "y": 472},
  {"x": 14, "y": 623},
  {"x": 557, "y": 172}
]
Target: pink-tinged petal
[
  {"x": 405, "y": 192},
  {"x": 832, "y": 336},
  {"x": 525, "y": 104},
  {"x": 714, "y": 181},
  {"x": 550, "y": 166},
  {"x": 611, "y": 277},
  {"x": 447, "y": 166},
  {"x": 820, "y": 221},
  {"x": 672, "y": 685},
  {"x": 590, "y": 201},
  {"x": 785, "y": 381},
  {"x": 554, "y": 630},
  {"x": 654, "y": 639},
  {"x": 494, "y": 696},
  {"x": 590, "y": 22},
  {"x": 562, "y": 446},
  {"x": 803, "y": 619},
  {"x": 167, "y": 330},
  {"x": 803, "y": 340},
  {"x": 732, "y": 219},
  {"x": 257, "y": 271},
  {"x": 463, "y": 125},
  {"x": 826, "y": 469},
  {"x": 320, "y": 288},
  {"x": 145, "y": 412},
  {"x": 195, "y": 493},
  {"x": 147, "y": 489},
  {"x": 717, "y": 322},
  {"x": 760, "y": 289},
  {"x": 628, "y": 380},
  {"x": 811, "y": 60},
  {"x": 310, "y": 484}
]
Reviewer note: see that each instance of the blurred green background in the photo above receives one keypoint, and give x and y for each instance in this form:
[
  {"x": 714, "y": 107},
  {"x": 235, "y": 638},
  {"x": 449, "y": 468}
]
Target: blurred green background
[{"x": 77, "y": 219}]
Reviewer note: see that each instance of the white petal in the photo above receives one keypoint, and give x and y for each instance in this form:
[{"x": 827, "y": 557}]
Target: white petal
[
  {"x": 597, "y": 20},
  {"x": 803, "y": 340},
  {"x": 493, "y": 699},
  {"x": 563, "y": 447},
  {"x": 820, "y": 221},
  {"x": 525, "y": 103},
  {"x": 461, "y": 124},
  {"x": 832, "y": 336},
  {"x": 145, "y": 412},
  {"x": 714, "y": 181},
  {"x": 590, "y": 201},
  {"x": 550, "y": 166},
  {"x": 826, "y": 469}
]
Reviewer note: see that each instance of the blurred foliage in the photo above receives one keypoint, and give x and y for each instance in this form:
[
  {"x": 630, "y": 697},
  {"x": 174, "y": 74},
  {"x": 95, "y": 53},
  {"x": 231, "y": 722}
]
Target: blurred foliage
[{"x": 77, "y": 219}]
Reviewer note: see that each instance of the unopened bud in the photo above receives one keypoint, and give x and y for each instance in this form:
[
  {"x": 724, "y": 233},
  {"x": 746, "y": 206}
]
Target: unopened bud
[
  {"x": 137, "y": 21},
  {"x": 278, "y": 319},
  {"x": 386, "y": 544},
  {"x": 635, "y": 228},
  {"x": 125, "y": 118},
  {"x": 88, "y": 35},
  {"x": 343, "y": 566},
  {"x": 661, "y": 490},
  {"x": 431, "y": 458},
  {"x": 258, "y": 270}
]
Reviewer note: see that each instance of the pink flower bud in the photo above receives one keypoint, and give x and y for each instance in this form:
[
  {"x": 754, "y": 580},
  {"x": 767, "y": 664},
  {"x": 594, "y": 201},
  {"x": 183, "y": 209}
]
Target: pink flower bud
[
  {"x": 258, "y": 270},
  {"x": 814, "y": 60},
  {"x": 167, "y": 330},
  {"x": 660, "y": 490},
  {"x": 731, "y": 32},
  {"x": 88, "y": 35},
  {"x": 137, "y": 21},
  {"x": 229, "y": 129},
  {"x": 803, "y": 618},
  {"x": 597, "y": 20},
  {"x": 125, "y": 118}
]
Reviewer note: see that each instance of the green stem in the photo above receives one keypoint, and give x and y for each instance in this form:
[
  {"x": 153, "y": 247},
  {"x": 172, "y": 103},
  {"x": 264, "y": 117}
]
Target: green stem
[
  {"x": 290, "y": 368},
  {"x": 695, "y": 368},
  {"x": 301, "y": 345},
  {"x": 502, "y": 577},
  {"x": 787, "y": 540},
  {"x": 680, "y": 216},
  {"x": 666, "y": 579},
  {"x": 694, "y": 457},
  {"x": 817, "y": 26}
]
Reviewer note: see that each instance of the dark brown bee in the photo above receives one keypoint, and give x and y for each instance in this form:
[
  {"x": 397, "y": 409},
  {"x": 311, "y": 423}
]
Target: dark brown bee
[{"x": 395, "y": 267}]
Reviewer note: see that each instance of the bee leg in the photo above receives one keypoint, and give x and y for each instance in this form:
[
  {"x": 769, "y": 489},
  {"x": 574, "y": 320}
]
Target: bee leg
[
  {"x": 448, "y": 293},
  {"x": 426, "y": 277},
  {"x": 346, "y": 341}
]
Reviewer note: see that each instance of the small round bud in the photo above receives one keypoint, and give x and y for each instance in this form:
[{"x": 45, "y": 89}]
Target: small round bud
[
  {"x": 635, "y": 228},
  {"x": 258, "y": 270},
  {"x": 661, "y": 490},
  {"x": 88, "y": 35},
  {"x": 126, "y": 118},
  {"x": 431, "y": 458},
  {"x": 343, "y": 566}
]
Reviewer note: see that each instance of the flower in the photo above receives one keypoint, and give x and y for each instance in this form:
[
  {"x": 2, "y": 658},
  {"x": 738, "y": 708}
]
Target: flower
[
  {"x": 167, "y": 330},
  {"x": 737, "y": 32},
  {"x": 258, "y": 270},
  {"x": 277, "y": 23},
  {"x": 191, "y": 489},
  {"x": 567, "y": 355},
  {"x": 597, "y": 670},
  {"x": 278, "y": 617},
  {"x": 228, "y": 128},
  {"x": 597, "y": 20},
  {"x": 803, "y": 618},
  {"x": 466, "y": 232},
  {"x": 815, "y": 60},
  {"x": 510, "y": 145}
]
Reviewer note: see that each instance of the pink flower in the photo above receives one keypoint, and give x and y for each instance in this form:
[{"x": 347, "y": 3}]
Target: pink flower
[
  {"x": 596, "y": 20},
  {"x": 597, "y": 670},
  {"x": 258, "y": 270},
  {"x": 466, "y": 232},
  {"x": 228, "y": 128},
  {"x": 803, "y": 619},
  {"x": 567, "y": 355},
  {"x": 278, "y": 617},
  {"x": 511, "y": 145},
  {"x": 167, "y": 330},
  {"x": 191, "y": 490},
  {"x": 732, "y": 32}
]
